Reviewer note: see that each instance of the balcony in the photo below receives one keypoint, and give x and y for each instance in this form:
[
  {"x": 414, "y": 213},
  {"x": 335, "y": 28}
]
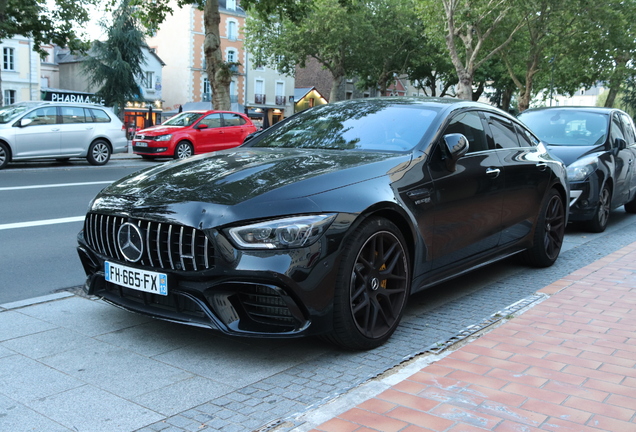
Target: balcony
[
  {"x": 281, "y": 100},
  {"x": 259, "y": 98}
]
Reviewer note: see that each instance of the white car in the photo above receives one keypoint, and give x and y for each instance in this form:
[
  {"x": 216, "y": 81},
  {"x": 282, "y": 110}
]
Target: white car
[{"x": 43, "y": 130}]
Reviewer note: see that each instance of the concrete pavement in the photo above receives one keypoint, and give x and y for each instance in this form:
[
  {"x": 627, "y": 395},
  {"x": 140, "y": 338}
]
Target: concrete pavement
[{"x": 563, "y": 358}]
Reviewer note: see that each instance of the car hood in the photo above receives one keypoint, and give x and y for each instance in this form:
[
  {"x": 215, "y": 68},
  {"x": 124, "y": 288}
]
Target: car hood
[
  {"x": 570, "y": 154},
  {"x": 228, "y": 185},
  {"x": 159, "y": 130}
]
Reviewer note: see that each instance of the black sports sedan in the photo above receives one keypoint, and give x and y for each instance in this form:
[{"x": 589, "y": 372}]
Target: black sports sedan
[
  {"x": 598, "y": 145},
  {"x": 325, "y": 223}
]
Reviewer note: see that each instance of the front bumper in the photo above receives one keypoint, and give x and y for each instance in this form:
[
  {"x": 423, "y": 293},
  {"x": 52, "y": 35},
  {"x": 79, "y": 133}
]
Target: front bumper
[
  {"x": 584, "y": 199},
  {"x": 245, "y": 293}
]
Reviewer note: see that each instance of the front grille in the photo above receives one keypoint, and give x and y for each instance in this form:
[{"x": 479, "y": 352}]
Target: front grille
[
  {"x": 166, "y": 246},
  {"x": 145, "y": 137}
]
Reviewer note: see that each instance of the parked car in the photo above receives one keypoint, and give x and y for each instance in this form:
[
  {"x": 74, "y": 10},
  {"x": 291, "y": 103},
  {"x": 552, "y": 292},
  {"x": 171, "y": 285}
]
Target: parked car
[
  {"x": 193, "y": 132},
  {"x": 598, "y": 145},
  {"x": 47, "y": 130},
  {"x": 326, "y": 222}
]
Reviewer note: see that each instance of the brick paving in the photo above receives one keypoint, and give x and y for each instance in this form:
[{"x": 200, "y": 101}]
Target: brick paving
[{"x": 566, "y": 364}]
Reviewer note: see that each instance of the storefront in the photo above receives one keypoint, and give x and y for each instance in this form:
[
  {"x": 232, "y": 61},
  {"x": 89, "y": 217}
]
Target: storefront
[{"x": 141, "y": 115}]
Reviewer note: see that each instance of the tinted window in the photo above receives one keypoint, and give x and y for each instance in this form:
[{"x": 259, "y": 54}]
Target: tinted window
[
  {"x": 183, "y": 119},
  {"x": 233, "y": 120},
  {"x": 72, "y": 115},
  {"x": 628, "y": 129},
  {"x": 504, "y": 133},
  {"x": 98, "y": 116},
  {"x": 470, "y": 125},
  {"x": 617, "y": 132},
  {"x": 212, "y": 121},
  {"x": 376, "y": 125},
  {"x": 42, "y": 116},
  {"x": 526, "y": 139}
]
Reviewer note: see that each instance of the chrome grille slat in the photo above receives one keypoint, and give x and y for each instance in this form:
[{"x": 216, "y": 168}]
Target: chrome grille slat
[{"x": 167, "y": 246}]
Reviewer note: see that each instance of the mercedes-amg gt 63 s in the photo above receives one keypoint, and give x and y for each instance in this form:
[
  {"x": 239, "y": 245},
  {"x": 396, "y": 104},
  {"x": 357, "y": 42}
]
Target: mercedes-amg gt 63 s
[{"x": 326, "y": 222}]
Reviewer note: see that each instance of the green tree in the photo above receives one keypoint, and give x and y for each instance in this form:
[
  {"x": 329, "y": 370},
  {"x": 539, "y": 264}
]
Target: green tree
[
  {"x": 115, "y": 65},
  {"x": 468, "y": 27},
  {"x": 336, "y": 35},
  {"x": 44, "y": 22}
]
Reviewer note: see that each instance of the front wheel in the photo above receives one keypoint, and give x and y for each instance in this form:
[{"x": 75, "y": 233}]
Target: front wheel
[
  {"x": 601, "y": 216},
  {"x": 372, "y": 287},
  {"x": 183, "y": 150},
  {"x": 98, "y": 153},
  {"x": 4, "y": 155},
  {"x": 548, "y": 234}
]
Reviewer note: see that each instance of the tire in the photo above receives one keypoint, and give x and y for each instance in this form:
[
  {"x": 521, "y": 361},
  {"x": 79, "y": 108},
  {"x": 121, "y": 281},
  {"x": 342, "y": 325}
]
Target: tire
[
  {"x": 372, "y": 287},
  {"x": 183, "y": 150},
  {"x": 4, "y": 156},
  {"x": 601, "y": 215},
  {"x": 630, "y": 207},
  {"x": 548, "y": 234},
  {"x": 98, "y": 153}
]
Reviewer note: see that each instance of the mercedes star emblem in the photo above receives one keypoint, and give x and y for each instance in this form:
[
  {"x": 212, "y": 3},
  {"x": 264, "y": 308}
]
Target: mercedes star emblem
[{"x": 131, "y": 243}]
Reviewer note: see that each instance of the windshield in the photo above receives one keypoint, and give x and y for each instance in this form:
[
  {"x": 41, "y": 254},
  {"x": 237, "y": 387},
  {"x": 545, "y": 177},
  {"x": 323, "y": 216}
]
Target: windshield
[
  {"x": 183, "y": 119},
  {"x": 11, "y": 112},
  {"x": 567, "y": 127},
  {"x": 376, "y": 125}
]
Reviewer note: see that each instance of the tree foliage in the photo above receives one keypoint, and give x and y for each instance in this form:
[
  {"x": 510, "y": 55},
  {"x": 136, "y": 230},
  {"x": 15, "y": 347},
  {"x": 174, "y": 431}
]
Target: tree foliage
[
  {"x": 116, "y": 65},
  {"x": 44, "y": 22}
]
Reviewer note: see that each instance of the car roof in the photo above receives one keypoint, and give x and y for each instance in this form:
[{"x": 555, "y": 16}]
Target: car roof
[{"x": 600, "y": 110}]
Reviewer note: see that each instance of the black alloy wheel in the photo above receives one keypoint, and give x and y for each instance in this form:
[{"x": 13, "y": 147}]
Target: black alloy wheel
[
  {"x": 601, "y": 216},
  {"x": 549, "y": 233},
  {"x": 98, "y": 153},
  {"x": 373, "y": 286},
  {"x": 183, "y": 150}
]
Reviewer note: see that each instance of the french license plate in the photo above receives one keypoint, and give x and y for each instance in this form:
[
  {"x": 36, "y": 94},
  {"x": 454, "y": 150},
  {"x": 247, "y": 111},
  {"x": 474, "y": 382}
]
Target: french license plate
[
  {"x": 141, "y": 144},
  {"x": 140, "y": 280}
]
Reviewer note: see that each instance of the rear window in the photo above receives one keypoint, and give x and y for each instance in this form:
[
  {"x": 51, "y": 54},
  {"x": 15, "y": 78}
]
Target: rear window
[
  {"x": 73, "y": 115},
  {"x": 98, "y": 116}
]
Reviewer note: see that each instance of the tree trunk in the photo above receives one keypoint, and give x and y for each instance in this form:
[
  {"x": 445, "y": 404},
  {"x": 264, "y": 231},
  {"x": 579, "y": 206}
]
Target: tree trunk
[
  {"x": 465, "y": 87},
  {"x": 214, "y": 56},
  {"x": 333, "y": 94},
  {"x": 506, "y": 98}
]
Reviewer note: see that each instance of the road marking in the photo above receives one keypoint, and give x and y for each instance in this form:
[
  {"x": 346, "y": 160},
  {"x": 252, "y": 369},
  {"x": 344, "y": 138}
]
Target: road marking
[
  {"x": 41, "y": 222},
  {"x": 54, "y": 185}
]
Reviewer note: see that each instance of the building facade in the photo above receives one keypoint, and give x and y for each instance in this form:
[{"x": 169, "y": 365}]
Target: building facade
[
  {"x": 179, "y": 42},
  {"x": 20, "y": 70}
]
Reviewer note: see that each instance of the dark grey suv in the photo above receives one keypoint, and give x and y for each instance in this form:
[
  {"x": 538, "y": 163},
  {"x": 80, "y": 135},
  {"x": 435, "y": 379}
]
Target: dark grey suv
[{"x": 42, "y": 130}]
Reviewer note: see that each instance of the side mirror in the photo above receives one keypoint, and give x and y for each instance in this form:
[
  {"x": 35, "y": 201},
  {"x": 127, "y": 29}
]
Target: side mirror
[
  {"x": 252, "y": 135},
  {"x": 620, "y": 144},
  {"x": 201, "y": 126},
  {"x": 456, "y": 146},
  {"x": 25, "y": 122}
]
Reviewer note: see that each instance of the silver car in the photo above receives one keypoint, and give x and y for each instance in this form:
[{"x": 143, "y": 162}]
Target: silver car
[{"x": 41, "y": 130}]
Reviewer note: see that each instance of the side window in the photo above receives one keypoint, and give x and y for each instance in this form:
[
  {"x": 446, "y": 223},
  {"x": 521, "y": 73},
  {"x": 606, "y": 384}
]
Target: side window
[
  {"x": 469, "y": 124},
  {"x": 503, "y": 132},
  {"x": 73, "y": 115},
  {"x": 233, "y": 120},
  {"x": 99, "y": 116},
  {"x": 526, "y": 139},
  {"x": 212, "y": 121},
  {"x": 616, "y": 131},
  {"x": 628, "y": 129},
  {"x": 42, "y": 116}
]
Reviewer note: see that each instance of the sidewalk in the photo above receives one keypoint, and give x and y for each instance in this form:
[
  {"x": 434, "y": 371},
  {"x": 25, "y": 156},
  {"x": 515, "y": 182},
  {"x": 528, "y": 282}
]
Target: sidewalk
[{"x": 566, "y": 364}]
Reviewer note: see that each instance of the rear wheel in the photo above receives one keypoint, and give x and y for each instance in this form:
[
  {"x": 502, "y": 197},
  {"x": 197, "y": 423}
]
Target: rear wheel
[
  {"x": 372, "y": 287},
  {"x": 183, "y": 150},
  {"x": 4, "y": 155},
  {"x": 98, "y": 153},
  {"x": 548, "y": 234},
  {"x": 630, "y": 207},
  {"x": 599, "y": 222}
]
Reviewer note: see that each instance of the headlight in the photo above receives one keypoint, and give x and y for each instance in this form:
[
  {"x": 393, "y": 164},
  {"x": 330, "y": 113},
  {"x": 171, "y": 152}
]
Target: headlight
[
  {"x": 582, "y": 169},
  {"x": 284, "y": 233},
  {"x": 164, "y": 138}
]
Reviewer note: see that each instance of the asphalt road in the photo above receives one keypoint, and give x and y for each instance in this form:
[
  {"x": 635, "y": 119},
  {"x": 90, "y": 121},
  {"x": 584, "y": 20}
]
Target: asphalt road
[{"x": 42, "y": 205}]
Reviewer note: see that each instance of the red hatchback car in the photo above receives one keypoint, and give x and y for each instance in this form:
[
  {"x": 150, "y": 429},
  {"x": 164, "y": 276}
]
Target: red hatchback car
[{"x": 193, "y": 132}]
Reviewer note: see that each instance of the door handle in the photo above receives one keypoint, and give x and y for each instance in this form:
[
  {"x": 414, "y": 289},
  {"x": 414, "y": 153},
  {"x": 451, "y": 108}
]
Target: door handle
[
  {"x": 493, "y": 172},
  {"x": 422, "y": 195},
  {"x": 542, "y": 166}
]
